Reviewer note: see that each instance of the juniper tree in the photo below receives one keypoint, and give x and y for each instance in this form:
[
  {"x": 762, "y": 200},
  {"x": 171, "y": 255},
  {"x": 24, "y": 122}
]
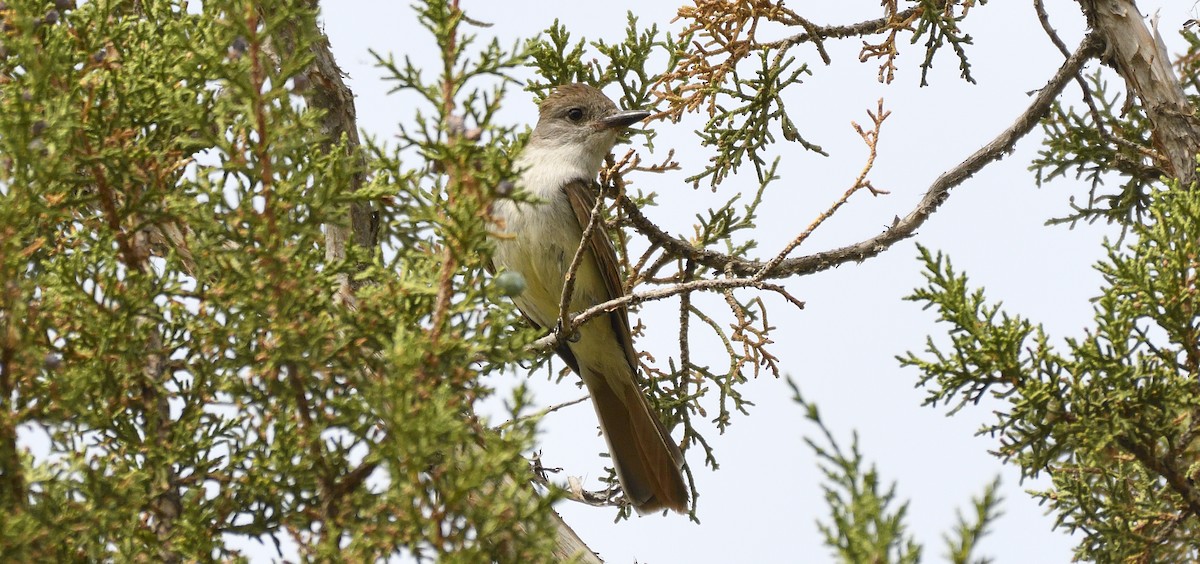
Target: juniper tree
[{"x": 230, "y": 316}]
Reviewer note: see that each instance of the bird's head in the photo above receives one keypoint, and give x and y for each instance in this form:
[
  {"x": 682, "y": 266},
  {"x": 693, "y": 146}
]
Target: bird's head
[{"x": 579, "y": 115}]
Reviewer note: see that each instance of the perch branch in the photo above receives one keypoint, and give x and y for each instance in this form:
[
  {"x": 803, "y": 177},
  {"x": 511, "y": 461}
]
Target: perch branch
[{"x": 901, "y": 228}]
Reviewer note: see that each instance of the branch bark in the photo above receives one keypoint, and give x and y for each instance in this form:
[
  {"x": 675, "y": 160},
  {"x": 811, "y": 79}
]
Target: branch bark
[
  {"x": 329, "y": 93},
  {"x": 1141, "y": 59}
]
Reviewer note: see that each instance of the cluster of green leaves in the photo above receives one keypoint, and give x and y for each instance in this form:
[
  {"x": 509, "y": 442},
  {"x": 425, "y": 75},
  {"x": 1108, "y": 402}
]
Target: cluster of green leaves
[
  {"x": 168, "y": 319},
  {"x": 1114, "y": 419},
  {"x": 939, "y": 23},
  {"x": 864, "y": 524},
  {"x": 1095, "y": 147},
  {"x": 752, "y": 107}
]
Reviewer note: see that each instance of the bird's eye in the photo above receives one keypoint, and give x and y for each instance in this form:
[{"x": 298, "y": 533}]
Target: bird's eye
[{"x": 575, "y": 114}]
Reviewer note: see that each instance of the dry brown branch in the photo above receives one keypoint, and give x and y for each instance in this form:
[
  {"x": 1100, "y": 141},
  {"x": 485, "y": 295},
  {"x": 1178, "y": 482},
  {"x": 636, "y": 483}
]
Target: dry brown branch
[
  {"x": 886, "y": 49},
  {"x": 753, "y": 339},
  {"x": 728, "y": 34}
]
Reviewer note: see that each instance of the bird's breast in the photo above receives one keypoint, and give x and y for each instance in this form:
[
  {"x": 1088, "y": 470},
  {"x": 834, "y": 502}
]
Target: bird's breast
[{"x": 538, "y": 241}]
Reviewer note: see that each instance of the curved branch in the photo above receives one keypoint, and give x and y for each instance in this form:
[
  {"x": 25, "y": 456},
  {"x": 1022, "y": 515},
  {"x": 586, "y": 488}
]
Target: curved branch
[{"x": 901, "y": 228}]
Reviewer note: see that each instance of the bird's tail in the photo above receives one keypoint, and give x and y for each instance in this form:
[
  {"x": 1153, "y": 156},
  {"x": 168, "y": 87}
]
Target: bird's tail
[{"x": 648, "y": 462}]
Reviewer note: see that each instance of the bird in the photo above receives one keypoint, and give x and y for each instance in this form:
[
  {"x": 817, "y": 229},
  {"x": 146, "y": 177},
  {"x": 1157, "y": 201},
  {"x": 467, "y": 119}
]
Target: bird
[{"x": 577, "y": 127}]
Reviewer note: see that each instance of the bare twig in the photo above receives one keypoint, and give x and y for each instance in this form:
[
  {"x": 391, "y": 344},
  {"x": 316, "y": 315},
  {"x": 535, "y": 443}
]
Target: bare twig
[
  {"x": 685, "y": 351},
  {"x": 886, "y": 49},
  {"x": 871, "y": 138},
  {"x": 608, "y": 497},
  {"x": 541, "y": 413},
  {"x": 868, "y": 27}
]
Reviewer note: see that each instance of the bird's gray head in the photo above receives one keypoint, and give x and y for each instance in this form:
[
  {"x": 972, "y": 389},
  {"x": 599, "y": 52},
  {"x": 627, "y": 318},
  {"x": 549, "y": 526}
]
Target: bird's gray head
[{"x": 579, "y": 115}]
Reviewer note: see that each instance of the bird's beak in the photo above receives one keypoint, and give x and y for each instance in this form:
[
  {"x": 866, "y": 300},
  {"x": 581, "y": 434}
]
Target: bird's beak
[{"x": 623, "y": 119}]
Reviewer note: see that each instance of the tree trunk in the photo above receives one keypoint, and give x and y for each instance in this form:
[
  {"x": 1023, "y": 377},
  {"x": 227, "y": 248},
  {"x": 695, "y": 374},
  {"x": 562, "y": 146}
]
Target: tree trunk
[{"x": 1140, "y": 57}]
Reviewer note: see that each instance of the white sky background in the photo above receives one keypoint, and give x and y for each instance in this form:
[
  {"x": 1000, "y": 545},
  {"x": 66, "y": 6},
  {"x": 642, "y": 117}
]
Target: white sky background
[{"x": 763, "y": 502}]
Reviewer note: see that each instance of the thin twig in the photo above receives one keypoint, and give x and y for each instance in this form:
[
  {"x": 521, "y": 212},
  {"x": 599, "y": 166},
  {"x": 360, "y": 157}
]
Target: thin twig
[
  {"x": 868, "y": 27},
  {"x": 685, "y": 351},
  {"x": 871, "y": 138},
  {"x": 1044, "y": 19},
  {"x": 574, "y": 491},
  {"x": 541, "y": 413}
]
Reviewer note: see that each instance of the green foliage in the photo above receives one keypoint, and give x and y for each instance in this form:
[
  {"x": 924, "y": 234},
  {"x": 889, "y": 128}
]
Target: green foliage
[
  {"x": 625, "y": 63},
  {"x": 1096, "y": 150},
  {"x": 863, "y": 525},
  {"x": 939, "y": 23},
  {"x": 968, "y": 532},
  {"x": 743, "y": 132},
  {"x": 1112, "y": 421},
  {"x": 171, "y": 322}
]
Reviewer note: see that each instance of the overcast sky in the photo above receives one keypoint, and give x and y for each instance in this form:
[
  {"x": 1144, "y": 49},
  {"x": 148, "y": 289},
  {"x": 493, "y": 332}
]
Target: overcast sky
[{"x": 766, "y": 497}]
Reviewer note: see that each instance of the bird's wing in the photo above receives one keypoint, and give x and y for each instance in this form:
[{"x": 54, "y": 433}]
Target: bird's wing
[{"x": 579, "y": 193}]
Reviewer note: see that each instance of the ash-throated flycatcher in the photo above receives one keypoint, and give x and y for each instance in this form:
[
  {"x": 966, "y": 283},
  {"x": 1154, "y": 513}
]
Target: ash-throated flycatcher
[{"x": 577, "y": 127}]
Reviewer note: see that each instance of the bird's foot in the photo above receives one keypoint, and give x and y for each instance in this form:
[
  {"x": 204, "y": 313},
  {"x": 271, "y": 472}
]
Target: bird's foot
[{"x": 561, "y": 332}]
